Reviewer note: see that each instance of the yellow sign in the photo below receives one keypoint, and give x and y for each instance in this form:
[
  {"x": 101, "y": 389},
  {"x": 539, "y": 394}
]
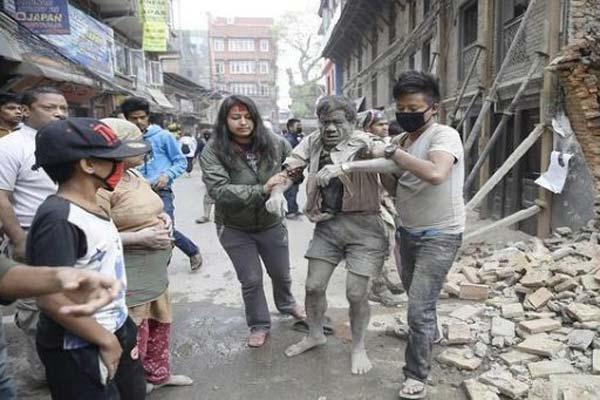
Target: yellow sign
[
  {"x": 155, "y": 36},
  {"x": 156, "y": 31},
  {"x": 154, "y": 10}
]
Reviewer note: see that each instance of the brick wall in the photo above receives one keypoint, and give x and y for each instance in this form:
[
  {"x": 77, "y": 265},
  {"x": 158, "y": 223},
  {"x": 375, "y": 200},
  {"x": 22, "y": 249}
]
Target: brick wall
[{"x": 578, "y": 69}]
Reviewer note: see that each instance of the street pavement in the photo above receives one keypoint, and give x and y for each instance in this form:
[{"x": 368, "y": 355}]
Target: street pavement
[{"x": 209, "y": 331}]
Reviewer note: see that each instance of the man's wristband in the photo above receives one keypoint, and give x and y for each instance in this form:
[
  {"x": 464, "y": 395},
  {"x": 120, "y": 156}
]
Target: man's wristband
[{"x": 345, "y": 168}]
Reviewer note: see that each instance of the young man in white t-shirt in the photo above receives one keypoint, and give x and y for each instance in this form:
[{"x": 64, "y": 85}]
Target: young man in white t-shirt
[
  {"x": 188, "y": 147},
  {"x": 22, "y": 190},
  {"x": 428, "y": 164}
]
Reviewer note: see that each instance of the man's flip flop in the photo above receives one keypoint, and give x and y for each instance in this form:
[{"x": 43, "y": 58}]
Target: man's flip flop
[
  {"x": 421, "y": 394},
  {"x": 302, "y": 326}
]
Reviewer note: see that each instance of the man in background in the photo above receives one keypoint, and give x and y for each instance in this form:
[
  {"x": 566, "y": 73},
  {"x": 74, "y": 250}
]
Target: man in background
[
  {"x": 10, "y": 113},
  {"x": 188, "y": 148},
  {"x": 22, "y": 190},
  {"x": 166, "y": 164},
  {"x": 294, "y": 136}
]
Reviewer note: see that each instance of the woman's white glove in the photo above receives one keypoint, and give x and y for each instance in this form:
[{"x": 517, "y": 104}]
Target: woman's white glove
[{"x": 277, "y": 204}]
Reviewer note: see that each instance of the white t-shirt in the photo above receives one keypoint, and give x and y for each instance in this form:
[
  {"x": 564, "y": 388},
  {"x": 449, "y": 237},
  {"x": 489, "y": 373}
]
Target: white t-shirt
[
  {"x": 422, "y": 206},
  {"x": 29, "y": 188},
  {"x": 65, "y": 234},
  {"x": 192, "y": 144}
]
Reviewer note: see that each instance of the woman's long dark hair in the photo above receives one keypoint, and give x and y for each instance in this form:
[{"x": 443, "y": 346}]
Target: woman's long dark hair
[{"x": 263, "y": 141}]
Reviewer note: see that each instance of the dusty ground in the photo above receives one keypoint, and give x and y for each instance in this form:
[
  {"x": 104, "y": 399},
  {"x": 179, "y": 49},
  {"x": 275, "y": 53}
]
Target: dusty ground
[{"x": 209, "y": 332}]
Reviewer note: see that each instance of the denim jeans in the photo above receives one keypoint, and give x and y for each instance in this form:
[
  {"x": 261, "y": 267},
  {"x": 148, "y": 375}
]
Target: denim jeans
[
  {"x": 426, "y": 259},
  {"x": 181, "y": 241},
  {"x": 7, "y": 389},
  {"x": 246, "y": 249},
  {"x": 290, "y": 197}
]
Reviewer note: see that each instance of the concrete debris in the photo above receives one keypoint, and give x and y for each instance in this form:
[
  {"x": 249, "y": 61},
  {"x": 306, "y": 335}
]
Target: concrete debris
[
  {"x": 513, "y": 310},
  {"x": 536, "y": 278},
  {"x": 505, "y": 383},
  {"x": 583, "y": 312},
  {"x": 539, "y": 325},
  {"x": 466, "y": 313},
  {"x": 503, "y": 327},
  {"x": 574, "y": 387},
  {"x": 538, "y": 299},
  {"x": 460, "y": 358},
  {"x": 471, "y": 291},
  {"x": 479, "y": 391},
  {"x": 544, "y": 369},
  {"x": 517, "y": 357},
  {"x": 580, "y": 339},
  {"x": 539, "y": 321},
  {"x": 596, "y": 361},
  {"x": 459, "y": 334},
  {"x": 540, "y": 345}
]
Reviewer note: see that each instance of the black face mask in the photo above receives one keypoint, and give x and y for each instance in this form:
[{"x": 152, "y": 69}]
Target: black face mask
[{"x": 412, "y": 121}]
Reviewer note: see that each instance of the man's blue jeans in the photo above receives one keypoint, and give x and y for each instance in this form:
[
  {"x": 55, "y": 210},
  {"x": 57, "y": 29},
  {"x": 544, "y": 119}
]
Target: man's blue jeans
[
  {"x": 426, "y": 259},
  {"x": 182, "y": 242},
  {"x": 290, "y": 197},
  {"x": 7, "y": 389}
]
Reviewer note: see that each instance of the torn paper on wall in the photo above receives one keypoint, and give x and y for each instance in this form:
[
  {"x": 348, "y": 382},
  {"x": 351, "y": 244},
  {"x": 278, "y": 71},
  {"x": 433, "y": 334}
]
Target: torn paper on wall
[{"x": 554, "y": 179}]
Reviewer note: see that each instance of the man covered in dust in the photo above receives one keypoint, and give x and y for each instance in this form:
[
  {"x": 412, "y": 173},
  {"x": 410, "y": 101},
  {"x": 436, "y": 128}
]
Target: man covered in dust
[
  {"x": 428, "y": 163},
  {"x": 348, "y": 222}
]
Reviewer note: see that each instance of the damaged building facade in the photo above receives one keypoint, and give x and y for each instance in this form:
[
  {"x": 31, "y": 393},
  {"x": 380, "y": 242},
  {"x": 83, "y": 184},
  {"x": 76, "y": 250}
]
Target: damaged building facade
[{"x": 505, "y": 68}]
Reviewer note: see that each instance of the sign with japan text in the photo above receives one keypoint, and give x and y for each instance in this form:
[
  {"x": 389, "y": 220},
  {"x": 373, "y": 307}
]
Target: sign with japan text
[{"x": 44, "y": 17}]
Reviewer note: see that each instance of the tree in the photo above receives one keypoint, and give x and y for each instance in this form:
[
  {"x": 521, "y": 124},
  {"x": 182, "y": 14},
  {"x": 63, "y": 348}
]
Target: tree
[{"x": 299, "y": 35}]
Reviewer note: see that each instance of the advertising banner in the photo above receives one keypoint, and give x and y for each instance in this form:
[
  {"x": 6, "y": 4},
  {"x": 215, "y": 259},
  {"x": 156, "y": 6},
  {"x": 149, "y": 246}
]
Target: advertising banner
[
  {"x": 155, "y": 14},
  {"x": 48, "y": 17},
  {"x": 155, "y": 36},
  {"x": 90, "y": 43}
]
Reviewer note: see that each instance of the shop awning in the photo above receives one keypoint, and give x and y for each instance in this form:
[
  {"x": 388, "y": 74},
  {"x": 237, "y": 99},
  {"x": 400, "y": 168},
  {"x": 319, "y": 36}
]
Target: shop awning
[
  {"x": 45, "y": 71},
  {"x": 160, "y": 98},
  {"x": 9, "y": 49}
]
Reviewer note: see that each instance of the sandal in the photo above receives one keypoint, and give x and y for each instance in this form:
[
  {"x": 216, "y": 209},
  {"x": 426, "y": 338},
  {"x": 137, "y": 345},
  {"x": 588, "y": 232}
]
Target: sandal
[{"x": 415, "y": 384}]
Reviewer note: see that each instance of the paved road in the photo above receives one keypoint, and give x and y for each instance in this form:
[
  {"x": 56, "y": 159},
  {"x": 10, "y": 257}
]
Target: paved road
[{"x": 209, "y": 332}]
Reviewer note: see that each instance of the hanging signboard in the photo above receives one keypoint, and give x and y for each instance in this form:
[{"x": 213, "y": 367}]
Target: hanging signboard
[
  {"x": 47, "y": 17},
  {"x": 155, "y": 36},
  {"x": 154, "y": 10},
  {"x": 91, "y": 43},
  {"x": 155, "y": 15}
]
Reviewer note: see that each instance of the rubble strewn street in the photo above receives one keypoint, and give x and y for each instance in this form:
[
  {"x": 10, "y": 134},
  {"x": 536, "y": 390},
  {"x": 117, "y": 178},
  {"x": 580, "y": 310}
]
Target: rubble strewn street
[{"x": 536, "y": 321}]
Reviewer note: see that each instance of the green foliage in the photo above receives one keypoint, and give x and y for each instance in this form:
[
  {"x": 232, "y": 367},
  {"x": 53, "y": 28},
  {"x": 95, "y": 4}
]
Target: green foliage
[{"x": 304, "y": 97}]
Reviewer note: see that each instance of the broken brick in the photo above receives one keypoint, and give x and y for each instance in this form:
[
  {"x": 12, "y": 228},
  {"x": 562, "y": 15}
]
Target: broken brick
[
  {"x": 538, "y": 299},
  {"x": 583, "y": 312},
  {"x": 470, "y": 291},
  {"x": 514, "y": 310},
  {"x": 460, "y": 358},
  {"x": 540, "y": 325},
  {"x": 540, "y": 345},
  {"x": 543, "y": 369},
  {"x": 459, "y": 334}
]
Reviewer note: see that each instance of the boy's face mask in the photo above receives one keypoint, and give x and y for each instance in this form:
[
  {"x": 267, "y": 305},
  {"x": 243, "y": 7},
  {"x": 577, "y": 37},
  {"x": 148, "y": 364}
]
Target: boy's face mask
[
  {"x": 116, "y": 174},
  {"x": 412, "y": 121}
]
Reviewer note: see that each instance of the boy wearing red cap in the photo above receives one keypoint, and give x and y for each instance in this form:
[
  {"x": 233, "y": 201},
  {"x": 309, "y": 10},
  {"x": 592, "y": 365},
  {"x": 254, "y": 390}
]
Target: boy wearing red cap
[{"x": 89, "y": 357}]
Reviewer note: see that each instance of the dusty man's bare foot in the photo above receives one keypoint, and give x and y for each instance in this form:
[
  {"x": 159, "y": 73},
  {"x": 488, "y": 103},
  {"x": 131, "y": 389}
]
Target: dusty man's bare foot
[
  {"x": 305, "y": 344},
  {"x": 360, "y": 362}
]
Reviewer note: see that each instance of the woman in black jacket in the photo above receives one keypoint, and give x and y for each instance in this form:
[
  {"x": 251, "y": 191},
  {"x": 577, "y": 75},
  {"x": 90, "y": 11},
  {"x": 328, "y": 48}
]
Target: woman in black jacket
[{"x": 240, "y": 167}]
